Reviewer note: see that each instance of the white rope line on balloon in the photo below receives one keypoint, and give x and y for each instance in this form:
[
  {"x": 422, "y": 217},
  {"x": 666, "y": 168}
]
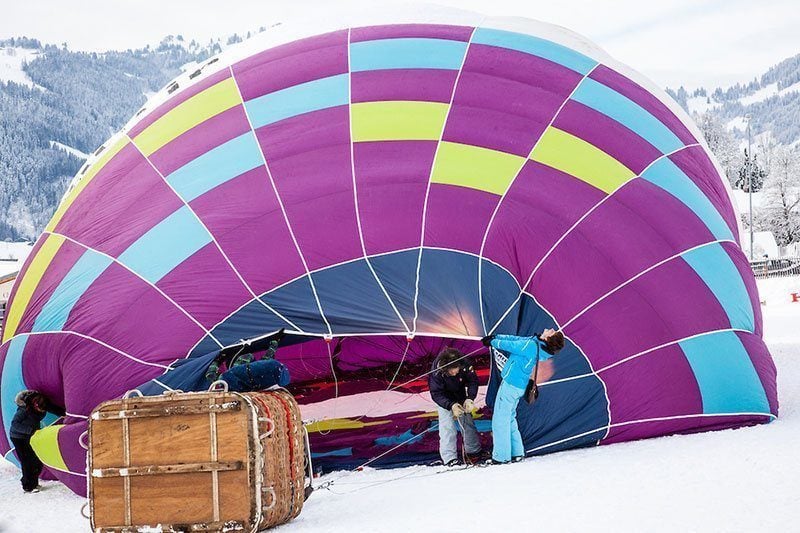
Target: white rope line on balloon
[
  {"x": 511, "y": 183},
  {"x": 148, "y": 282},
  {"x": 210, "y": 235},
  {"x": 355, "y": 187},
  {"x": 334, "y": 265},
  {"x": 608, "y": 427},
  {"x": 576, "y": 224},
  {"x": 280, "y": 203},
  {"x": 640, "y": 274},
  {"x": 645, "y": 352},
  {"x": 430, "y": 174},
  {"x": 328, "y": 341},
  {"x": 75, "y": 415},
  {"x": 87, "y": 337}
]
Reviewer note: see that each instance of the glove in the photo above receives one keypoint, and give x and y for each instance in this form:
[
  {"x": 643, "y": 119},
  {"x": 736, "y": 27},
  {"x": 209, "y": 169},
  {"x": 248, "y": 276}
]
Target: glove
[
  {"x": 469, "y": 406},
  {"x": 487, "y": 340},
  {"x": 457, "y": 410}
]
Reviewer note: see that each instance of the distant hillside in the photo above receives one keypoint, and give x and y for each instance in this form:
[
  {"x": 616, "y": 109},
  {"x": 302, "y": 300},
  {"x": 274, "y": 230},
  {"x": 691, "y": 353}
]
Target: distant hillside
[
  {"x": 773, "y": 100},
  {"x": 57, "y": 105}
]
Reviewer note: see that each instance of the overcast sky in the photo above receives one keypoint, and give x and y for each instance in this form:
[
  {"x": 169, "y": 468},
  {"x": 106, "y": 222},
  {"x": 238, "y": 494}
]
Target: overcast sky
[{"x": 690, "y": 42}]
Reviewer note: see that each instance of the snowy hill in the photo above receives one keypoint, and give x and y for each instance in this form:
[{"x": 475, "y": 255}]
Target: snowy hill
[
  {"x": 773, "y": 100},
  {"x": 734, "y": 480}
]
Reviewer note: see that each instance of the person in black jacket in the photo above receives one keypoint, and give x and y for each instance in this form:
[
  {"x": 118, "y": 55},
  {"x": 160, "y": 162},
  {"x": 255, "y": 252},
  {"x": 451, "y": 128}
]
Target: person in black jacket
[
  {"x": 32, "y": 408},
  {"x": 454, "y": 385}
]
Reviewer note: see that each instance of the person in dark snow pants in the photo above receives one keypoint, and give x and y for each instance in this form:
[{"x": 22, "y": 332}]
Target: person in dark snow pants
[
  {"x": 454, "y": 386},
  {"x": 32, "y": 407},
  {"x": 524, "y": 352}
]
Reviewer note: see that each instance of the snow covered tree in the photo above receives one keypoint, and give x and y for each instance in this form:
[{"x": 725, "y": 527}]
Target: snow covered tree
[
  {"x": 722, "y": 145},
  {"x": 755, "y": 171},
  {"x": 781, "y": 213}
]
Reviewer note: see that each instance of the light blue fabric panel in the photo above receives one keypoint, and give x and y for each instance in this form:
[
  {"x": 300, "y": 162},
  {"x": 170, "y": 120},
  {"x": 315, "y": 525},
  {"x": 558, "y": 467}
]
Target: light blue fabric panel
[
  {"x": 216, "y": 166},
  {"x": 726, "y": 376},
  {"x": 665, "y": 174},
  {"x": 11, "y": 383},
  {"x": 628, "y": 113},
  {"x": 166, "y": 245},
  {"x": 717, "y": 270},
  {"x": 83, "y": 273},
  {"x": 535, "y": 46},
  {"x": 407, "y": 53},
  {"x": 298, "y": 99}
]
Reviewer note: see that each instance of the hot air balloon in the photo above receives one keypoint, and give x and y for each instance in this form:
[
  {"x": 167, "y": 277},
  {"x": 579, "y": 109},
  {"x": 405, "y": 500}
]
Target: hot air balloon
[{"x": 379, "y": 192}]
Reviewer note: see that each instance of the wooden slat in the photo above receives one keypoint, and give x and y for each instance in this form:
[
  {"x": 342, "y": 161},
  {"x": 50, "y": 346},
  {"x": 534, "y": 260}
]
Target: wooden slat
[
  {"x": 150, "y": 470},
  {"x": 167, "y": 410}
]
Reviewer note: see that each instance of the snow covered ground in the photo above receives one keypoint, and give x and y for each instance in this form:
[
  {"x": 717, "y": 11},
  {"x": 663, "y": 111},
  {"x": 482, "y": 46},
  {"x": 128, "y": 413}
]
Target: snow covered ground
[
  {"x": 735, "y": 480},
  {"x": 11, "y": 61}
]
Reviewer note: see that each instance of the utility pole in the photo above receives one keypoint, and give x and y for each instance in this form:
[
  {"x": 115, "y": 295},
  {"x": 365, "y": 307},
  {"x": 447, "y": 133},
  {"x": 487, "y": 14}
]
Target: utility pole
[{"x": 749, "y": 171}]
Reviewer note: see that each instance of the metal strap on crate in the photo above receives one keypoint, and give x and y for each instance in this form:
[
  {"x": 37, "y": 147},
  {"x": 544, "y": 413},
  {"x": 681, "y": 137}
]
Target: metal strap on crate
[
  {"x": 149, "y": 412},
  {"x": 167, "y": 469}
]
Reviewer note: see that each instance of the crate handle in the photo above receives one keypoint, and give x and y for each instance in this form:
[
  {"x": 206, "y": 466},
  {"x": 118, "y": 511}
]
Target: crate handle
[
  {"x": 82, "y": 441},
  {"x": 271, "y": 429},
  {"x": 131, "y": 393},
  {"x": 83, "y": 511},
  {"x": 217, "y": 384},
  {"x": 273, "y": 498}
]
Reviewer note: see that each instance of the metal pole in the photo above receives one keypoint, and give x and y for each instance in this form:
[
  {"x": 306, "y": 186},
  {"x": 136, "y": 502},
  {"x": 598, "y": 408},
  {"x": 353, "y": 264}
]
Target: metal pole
[{"x": 749, "y": 181}]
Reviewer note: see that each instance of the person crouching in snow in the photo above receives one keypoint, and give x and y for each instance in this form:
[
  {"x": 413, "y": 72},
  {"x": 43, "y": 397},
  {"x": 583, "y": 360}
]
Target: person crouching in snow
[
  {"x": 32, "y": 408},
  {"x": 525, "y": 353},
  {"x": 454, "y": 385}
]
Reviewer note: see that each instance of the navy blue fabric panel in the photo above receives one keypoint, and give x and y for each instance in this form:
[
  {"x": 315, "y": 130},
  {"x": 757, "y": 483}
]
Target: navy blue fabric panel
[
  {"x": 203, "y": 347},
  {"x": 250, "y": 321},
  {"x": 187, "y": 375},
  {"x": 448, "y": 294},
  {"x": 296, "y": 302},
  {"x": 499, "y": 291},
  {"x": 353, "y": 302},
  {"x": 398, "y": 274}
]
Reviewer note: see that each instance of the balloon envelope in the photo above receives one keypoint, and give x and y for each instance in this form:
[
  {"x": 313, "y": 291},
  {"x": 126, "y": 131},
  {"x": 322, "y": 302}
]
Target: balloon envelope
[{"x": 389, "y": 190}]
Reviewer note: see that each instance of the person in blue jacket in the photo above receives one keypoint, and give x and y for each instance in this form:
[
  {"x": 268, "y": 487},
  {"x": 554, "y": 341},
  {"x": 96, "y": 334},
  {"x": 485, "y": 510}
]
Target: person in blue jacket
[{"x": 524, "y": 354}]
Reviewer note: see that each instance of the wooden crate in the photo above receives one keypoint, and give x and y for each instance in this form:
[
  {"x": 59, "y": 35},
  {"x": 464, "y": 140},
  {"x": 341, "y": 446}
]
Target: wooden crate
[{"x": 207, "y": 461}]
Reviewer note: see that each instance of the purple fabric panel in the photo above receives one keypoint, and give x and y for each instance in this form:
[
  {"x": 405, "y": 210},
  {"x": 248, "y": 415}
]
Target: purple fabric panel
[
  {"x": 424, "y": 85},
  {"x": 395, "y": 31},
  {"x": 698, "y": 424},
  {"x": 505, "y": 99},
  {"x": 457, "y": 217},
  {"x": 743, "y": 266},
  {"x": 660, "y": 383},
  {"x": 668, "y": 303},
  {"x": 175, "y": 101},
  {"x": 640, "y": 225},
  {"x": 607, "y": 134},
  {"x": 62, "y": 262},
  {"x": 392, "y": 178},
  {"x": 215, "y": 131},
  {"x": 116, "y": 301},
  {"x": 538, "y": 209},
  {"x": 204, "y": 277},
  {"x": 121, "y": 204},
  {"x": 291, "y": 64},
  {"x": 74, "y": 456},
  {"x": 764, "y": 365},
  {"x": 694, "y": 162},
  {"x": 644, "y": 98},
  {"x": 309, "y": 157},
  {"x": 244, "y": 217},
  {"x": 42, "y": 365}
]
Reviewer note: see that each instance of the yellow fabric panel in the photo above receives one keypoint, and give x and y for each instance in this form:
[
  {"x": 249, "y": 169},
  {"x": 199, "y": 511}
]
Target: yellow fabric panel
[
  {"x": 574, "y": 156},
  {"x": 398, "y": 120},
  {"x": 197, "y": 109},
  {"x": 340, "y": 423},
  {"x": 45, "y": 443},
  {"x": 28, "y": 283},
  {"x": 104, "y": 158},
  {"x": 475, "y": 167}
]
